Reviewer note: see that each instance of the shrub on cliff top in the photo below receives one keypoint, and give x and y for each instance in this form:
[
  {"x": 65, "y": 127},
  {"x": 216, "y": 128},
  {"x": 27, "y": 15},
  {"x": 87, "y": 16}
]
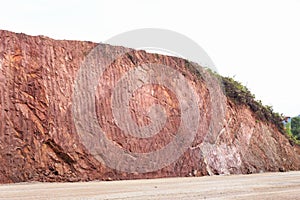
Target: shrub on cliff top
[{"x": 241, "y": 95}]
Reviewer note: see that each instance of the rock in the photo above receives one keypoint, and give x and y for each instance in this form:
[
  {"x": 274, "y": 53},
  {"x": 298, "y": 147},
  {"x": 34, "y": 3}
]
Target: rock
[{"x": 41, "y": 137}]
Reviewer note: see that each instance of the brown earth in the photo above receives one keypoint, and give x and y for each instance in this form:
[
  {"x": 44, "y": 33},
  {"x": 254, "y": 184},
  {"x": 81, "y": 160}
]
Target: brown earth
[{"x": 40, "y": 141}]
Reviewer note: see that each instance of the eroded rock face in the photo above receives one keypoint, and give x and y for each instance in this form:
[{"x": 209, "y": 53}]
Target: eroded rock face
[{"x": 41, "y": 138}]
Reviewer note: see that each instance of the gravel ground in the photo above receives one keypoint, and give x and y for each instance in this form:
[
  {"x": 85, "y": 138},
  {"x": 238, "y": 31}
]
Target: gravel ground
[{"x": 256, "y": 186}]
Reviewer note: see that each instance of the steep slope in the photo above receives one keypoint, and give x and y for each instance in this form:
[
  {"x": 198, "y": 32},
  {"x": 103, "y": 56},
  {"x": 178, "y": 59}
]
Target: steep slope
[{"x": 47, "y": 130}]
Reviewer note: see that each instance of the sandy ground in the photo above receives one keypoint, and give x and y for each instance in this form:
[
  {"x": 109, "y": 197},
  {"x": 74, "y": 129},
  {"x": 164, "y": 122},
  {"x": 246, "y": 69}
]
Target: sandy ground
[{"x": 256, "y": 186}]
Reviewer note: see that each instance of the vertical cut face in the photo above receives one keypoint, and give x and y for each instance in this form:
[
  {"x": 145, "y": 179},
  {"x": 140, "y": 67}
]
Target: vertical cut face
[{"x": 138, "y": 115}]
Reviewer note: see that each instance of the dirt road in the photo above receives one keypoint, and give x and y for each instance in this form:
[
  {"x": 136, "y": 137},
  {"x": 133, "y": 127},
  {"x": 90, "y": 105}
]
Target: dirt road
[{"x": 256, "y": 186}]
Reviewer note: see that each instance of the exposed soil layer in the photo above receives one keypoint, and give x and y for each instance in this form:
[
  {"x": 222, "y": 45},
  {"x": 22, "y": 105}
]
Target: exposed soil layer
[{"x": 39, "y": 137}]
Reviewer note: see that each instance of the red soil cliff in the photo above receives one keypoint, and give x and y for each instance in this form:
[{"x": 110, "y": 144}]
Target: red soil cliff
[{"x": 40, "y": 140}]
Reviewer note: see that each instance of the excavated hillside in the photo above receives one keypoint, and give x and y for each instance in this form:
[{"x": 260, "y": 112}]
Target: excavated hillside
[{"x": 61, "y": 120}]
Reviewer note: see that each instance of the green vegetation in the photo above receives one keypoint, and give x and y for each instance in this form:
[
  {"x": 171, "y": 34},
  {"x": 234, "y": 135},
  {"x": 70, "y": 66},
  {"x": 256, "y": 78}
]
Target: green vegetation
[
  {"x": 288, "y": 128},
  {"x": 292, "y": 137},
  {"x": 295, "y": 126},
  {"x": 290, "y": 134},
  {"x": 242, "y": 96}
]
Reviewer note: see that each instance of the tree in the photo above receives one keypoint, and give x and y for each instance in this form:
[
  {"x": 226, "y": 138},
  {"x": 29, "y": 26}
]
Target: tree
[
  {"x": 295, "y": 126},
  {"x": 288, "y": 128}
]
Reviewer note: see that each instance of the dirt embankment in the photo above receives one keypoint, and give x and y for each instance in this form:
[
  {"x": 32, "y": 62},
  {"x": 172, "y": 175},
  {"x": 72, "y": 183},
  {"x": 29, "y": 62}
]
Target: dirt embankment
[{"x": 41, "y": 140}]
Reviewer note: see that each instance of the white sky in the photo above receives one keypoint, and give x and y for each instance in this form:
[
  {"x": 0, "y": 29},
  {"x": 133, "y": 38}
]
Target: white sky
[{"x": 257, "y": 41}]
